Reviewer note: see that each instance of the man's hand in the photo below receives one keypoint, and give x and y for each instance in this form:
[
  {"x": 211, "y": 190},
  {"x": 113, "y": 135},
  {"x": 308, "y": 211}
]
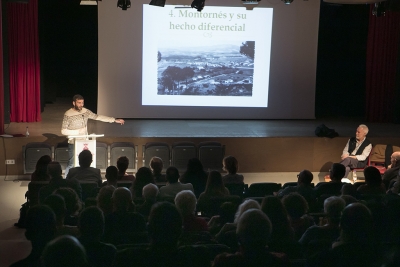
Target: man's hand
[
  {"x": 344, "y": 156},
  {"x": 120, "y": 121}
]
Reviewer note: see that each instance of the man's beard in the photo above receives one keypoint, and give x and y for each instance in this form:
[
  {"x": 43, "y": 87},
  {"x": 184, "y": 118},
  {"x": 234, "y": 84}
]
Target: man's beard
[{"x": 77, "y": 108}]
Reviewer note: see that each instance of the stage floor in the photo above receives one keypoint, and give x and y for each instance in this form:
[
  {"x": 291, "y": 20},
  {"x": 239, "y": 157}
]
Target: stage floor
[{"x": 53, "y": 115}]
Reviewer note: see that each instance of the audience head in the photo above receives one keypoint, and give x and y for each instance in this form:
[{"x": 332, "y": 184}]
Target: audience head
[
  {"x": 156, "y": 165},
  {"x": 230, "y": 164},
  {"x": 122, "y": 164},
  {"x": 337, "y": 172},
  {"x": 150, "y": 192},
  {"x": 305, "y": 177},
  {"x": 295, "y": 204},
  {"x": 246, "y": 205},
  {"x": 185, "y": 202},
  {"x": 214, "y": 183},
  {"x": 348, "y": 189},
  {"x": 349, "y": 199},
  {"x": 54, "y": 170},
  {"x": 356, "y": 223},
  {"x": 112, "y": 175},
  {"x": 85, "y": 158},
  {"x": 41, "y": 165},
  {"x": 122, "y": 199},
  {"x": 333, "y": 207},
  {"x": 172, "y": 175},
  {"x": 395, "y": 188},
  {"x": 165, "y": 224},
  {"x": 40, "y": 225},
  {"x": 104, "y": 199},
  {"x": 253, "y": 230},
  {"x": 372, "y": 176},
  {"x": 91, "y": 223},
  {"x": 57, "y": 204},
  {"x": 194, "y": 166},
  {"x": 273, "y": 207},
  {"x": 144, "y": 176},
  {"x": 64, "y": 251},
  {"x": 71, "y": 198}
]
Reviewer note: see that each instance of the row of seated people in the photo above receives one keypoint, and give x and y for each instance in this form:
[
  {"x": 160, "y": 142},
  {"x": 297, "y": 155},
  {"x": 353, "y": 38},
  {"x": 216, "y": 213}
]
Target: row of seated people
[
  {"x": 384, "y": 215},
  {"x": 272, "y": 233}
]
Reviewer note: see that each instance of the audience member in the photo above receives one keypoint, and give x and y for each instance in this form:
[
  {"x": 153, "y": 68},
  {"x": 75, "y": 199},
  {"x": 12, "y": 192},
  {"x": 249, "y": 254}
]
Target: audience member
[
  {"x": 393, "y": 169},
  {"x": 143, "y": 177},
  {"x": 328, "y": 230},
  {"x": 304, "y": 188},
  {"x": 64, "y": 251},
  {"x": 357, "y": 245},
  {"x": 214, "y": 188},
  {"x": 156, "y": 166},
  {"x": 72, "y": 203},
  {"x": 165, "y": 228},
  {"x": 104, "y": 199},
  {"x": 111, "y": 176},
  {"x": 227, "y": 235},
  {"x": 91, "y": 226},
  {"x": 57, "y": 204},
  {"x": 40, "y": 229},
  {"x": 173, "y": 186},
  {"x": 185, "y": 202},
  {"x": 373, "y": 182},
  {"x": 84, "y": 172},
  {"x": 356, "y": 151},
  {"x": 122, "y": 165},
  {"x": 150, "y": 193},
  {"x": 123, "y": 226},
  {"x": 350, "y": 190},
  {"x": 297, "y": 208},
  {"x": 231, "y": 166},
  {"x": 253, "y": 232},
  {"x": 195, "y": 175},
  {"x": 333, "y": 187},
  {"x": 55, "y": 172},
  {"x": 226, "y": 215},
  {"x": 40, "y": 173},
  {"x": 282, "y": 232}
]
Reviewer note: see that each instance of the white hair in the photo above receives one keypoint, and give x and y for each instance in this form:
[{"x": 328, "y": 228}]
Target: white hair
[
  {"x": 246, "y": 205},
  {"x": 185, "y": 202},
  {"x": 150, "y": 191},
  {"x": 365, "y": 127}
]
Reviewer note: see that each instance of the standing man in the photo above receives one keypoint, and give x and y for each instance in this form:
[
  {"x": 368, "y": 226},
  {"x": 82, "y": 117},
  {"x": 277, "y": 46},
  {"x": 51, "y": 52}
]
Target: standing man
[
  {"x": 75, "y": 123},
  {"x": 357, "y": 150}
]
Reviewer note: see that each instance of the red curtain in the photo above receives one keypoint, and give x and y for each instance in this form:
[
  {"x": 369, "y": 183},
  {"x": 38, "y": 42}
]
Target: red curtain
[
  {"x": 1, "y": 74},
  {"x": 24, "y": 61},
  {"x": 382, "y": 51}
]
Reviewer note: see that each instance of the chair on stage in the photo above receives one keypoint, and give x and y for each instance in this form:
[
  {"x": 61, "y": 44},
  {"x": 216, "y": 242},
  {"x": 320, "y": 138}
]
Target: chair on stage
[
  {"x": 32, "y": 152},
  {"x": 127, "y": 149},
  {"x": 181, "y": 153},
  {"x": 101, "y": 156},
  {"x": 156, "y": 149},
  {"x": 61, "y": 154},
  {"x": 211, "y": 155}
]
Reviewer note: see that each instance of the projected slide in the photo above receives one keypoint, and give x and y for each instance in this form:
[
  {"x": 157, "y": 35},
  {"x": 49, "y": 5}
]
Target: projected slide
[{"x": 219, "y": 57}]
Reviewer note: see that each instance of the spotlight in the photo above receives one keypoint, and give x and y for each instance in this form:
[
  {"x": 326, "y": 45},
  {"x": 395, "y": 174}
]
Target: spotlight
[
  {"x": 157, "y": 3},
  {"x": 379, "y": 10},
  {"x": 198, "y": 4},
  {"x": 287, "y": 2},
  {"x": 124, "y": 4}
]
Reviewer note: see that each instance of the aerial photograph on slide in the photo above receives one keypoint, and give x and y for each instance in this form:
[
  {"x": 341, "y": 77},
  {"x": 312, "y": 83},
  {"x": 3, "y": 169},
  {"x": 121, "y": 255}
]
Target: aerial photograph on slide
[{"x": 214, "y": 69}]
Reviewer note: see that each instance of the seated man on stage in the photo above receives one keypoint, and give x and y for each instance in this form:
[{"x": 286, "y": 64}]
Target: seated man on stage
[
  {"x": 75, "y": 123},
  {"x": 357, "y": 150}
]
